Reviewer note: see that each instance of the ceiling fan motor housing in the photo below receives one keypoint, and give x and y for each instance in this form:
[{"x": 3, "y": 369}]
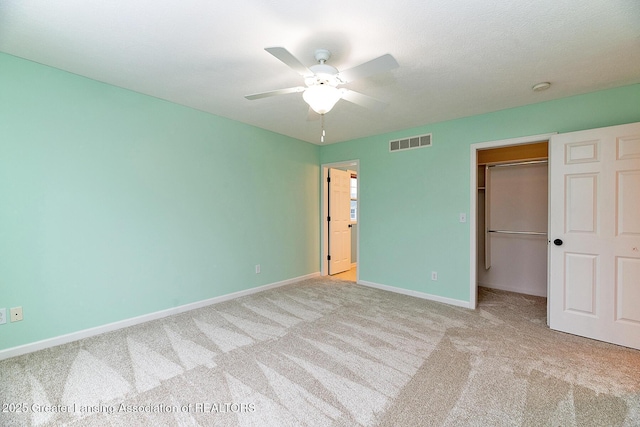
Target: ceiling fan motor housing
[
  {"x": 322, "y": 55},
  {"x": 323, "y": 74}
]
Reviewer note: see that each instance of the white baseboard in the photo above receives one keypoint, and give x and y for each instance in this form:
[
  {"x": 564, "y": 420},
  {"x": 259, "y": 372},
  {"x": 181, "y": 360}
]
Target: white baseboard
[
  {"x": 74, "y": 336},
  {"x": 417, "y": 294}
]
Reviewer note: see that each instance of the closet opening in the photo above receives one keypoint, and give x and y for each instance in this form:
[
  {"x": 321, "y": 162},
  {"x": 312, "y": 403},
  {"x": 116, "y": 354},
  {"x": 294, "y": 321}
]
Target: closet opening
[{"x": 512, "y": 218}]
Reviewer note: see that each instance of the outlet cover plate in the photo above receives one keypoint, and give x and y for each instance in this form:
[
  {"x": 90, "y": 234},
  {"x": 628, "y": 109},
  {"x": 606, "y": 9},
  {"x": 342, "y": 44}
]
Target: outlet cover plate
[
  {"x": 16, "y": 314},
  {"x": 3, "y": 316}
]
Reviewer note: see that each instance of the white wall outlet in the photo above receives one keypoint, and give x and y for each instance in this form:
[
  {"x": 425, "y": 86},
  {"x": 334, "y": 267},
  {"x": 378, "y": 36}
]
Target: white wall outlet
[
  {"x": 434, "y": 275},
  {"x": 257, "y": 268},
  {"x": 3, "y": 316},
  {"x": 16, "y": 314},
  {"x": 463, "y": 217}
]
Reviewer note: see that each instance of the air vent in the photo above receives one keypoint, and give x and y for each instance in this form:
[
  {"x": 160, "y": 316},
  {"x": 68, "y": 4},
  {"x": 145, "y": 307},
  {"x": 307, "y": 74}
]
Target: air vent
[{"x": 418, "y": 141}]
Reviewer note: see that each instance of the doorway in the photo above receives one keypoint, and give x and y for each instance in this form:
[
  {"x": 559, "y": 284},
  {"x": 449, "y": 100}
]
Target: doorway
[
  {"x": 476, "y": 189},
  {"x": 353, "y": 166}
]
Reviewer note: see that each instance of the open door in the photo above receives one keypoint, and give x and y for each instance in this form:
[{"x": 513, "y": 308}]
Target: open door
[
  {"x": 594, "y": 234},
  {"x": 339, "y": 221}
]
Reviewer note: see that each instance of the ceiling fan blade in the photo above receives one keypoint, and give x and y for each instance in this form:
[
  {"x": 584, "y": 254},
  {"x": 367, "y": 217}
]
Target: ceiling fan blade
[
  {"x": 275, "y": 92},
  {"x": 379, "y": 65},
  {"x": 363, "y": 100},
  {"x": 285, "y": 56}
]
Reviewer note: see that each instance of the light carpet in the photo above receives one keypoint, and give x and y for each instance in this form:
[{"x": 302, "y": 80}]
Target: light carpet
[{"x": 326, "y": 352}]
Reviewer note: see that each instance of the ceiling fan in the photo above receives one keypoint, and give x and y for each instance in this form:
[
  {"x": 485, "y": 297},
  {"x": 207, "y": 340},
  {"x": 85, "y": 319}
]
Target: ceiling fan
[{"x": 322, "y": 80}]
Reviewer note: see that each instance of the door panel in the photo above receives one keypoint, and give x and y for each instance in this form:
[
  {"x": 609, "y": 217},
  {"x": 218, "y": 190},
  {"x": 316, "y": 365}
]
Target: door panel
[
  {"x": 628, "y": 215},
  {"x": 628, "y": 148},
  {"x": 627, "y": 289},
  {"x": 580, "y": 283},
  {"x": 594, "y": 274},
  {"x": 581, "y": 152},
  {"x": 581, "y": 203},
  {"x": 339, "y": 211}
]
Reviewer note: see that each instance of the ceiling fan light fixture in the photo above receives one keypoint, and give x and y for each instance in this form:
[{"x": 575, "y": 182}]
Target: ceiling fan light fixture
[{"x": 321, "y": 98}]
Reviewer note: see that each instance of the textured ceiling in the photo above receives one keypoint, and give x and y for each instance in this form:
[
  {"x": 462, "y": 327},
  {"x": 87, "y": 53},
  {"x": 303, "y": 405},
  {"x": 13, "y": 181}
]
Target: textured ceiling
[{"x": 457, "y": 57}]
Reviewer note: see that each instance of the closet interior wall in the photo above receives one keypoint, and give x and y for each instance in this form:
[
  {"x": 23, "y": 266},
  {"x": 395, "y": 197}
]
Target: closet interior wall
[{"x": 512, "y": 218}]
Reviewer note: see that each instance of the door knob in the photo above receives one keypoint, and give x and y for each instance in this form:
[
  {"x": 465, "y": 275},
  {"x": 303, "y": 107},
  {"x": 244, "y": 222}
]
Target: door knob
[{"x": 558, "y": 242}]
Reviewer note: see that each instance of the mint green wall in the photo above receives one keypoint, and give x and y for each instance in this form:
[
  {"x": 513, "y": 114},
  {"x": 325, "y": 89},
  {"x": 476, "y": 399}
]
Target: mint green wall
[
  {"x": 410, "y": 201},
  {"x": 114, "y": 204}
]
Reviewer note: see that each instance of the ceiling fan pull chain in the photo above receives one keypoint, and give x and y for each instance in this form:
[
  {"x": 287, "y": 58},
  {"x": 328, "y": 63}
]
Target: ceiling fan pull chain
[{"x": 322, "y": 126}]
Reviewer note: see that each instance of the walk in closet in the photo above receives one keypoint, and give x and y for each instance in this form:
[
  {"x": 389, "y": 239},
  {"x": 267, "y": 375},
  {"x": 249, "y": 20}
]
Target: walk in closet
[{"x": 512, "y": 218}]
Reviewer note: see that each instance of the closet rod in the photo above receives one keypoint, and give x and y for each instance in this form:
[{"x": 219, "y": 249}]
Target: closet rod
[
  {"x": 533, "y": 233},
  {"x": 532, "y": 162}
]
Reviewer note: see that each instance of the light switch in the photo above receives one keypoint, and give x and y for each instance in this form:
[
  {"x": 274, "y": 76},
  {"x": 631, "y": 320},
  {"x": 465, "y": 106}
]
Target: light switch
[{"x": 463, "y": 217}]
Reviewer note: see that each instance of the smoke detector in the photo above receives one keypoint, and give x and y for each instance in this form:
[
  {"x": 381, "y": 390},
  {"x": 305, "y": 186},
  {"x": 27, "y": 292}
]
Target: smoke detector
[{"x": 541, "y": 86}]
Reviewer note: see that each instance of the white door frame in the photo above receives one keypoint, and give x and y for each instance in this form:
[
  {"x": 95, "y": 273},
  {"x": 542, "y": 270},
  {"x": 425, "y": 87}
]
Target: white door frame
[
  {"x": 324, "y": 212},
  {"x": 473, "y": 255}
]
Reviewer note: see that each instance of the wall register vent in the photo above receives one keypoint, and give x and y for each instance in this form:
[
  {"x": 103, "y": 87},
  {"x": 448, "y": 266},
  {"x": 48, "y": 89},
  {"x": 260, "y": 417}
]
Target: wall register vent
[{"x": 410, "y": 143}]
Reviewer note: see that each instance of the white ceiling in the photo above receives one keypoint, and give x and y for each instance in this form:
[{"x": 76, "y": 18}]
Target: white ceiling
[{"x": 457, "y": 57}]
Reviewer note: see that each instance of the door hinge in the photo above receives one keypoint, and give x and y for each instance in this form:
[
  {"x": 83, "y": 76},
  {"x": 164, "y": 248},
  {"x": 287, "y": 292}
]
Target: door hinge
[
  {"x": 328, "y": 218},
  {"x": 328, "y": 179},
  {"x": 328, "y": 257}
]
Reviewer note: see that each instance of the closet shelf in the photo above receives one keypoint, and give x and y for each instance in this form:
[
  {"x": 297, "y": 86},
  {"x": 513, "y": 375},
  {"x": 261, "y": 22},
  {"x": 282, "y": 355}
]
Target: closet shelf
[{"x": 532, "y": 233}]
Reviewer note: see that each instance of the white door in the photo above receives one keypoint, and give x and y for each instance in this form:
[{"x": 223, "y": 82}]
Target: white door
[
  {"x": 339, "y": 214},
  {"x": 594, "y": 234}
]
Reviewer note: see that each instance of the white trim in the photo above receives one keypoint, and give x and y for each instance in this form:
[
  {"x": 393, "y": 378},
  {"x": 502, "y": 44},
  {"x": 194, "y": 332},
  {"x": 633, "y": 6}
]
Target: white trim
[
  {"x": 473, "y": 256},
  {"x": 417, "y": 294},
  {"x": 86, "y": 333}
]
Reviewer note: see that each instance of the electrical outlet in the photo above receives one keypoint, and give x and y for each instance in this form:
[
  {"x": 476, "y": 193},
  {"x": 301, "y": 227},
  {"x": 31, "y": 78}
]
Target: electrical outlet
[
  {"x": 16, "y": 314},
  {"x": 463, "y": 217},
  {"x": 3, "y": 316},
  {"x": 434, "y": 275},
  {"x": 257, "y": 268}
]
